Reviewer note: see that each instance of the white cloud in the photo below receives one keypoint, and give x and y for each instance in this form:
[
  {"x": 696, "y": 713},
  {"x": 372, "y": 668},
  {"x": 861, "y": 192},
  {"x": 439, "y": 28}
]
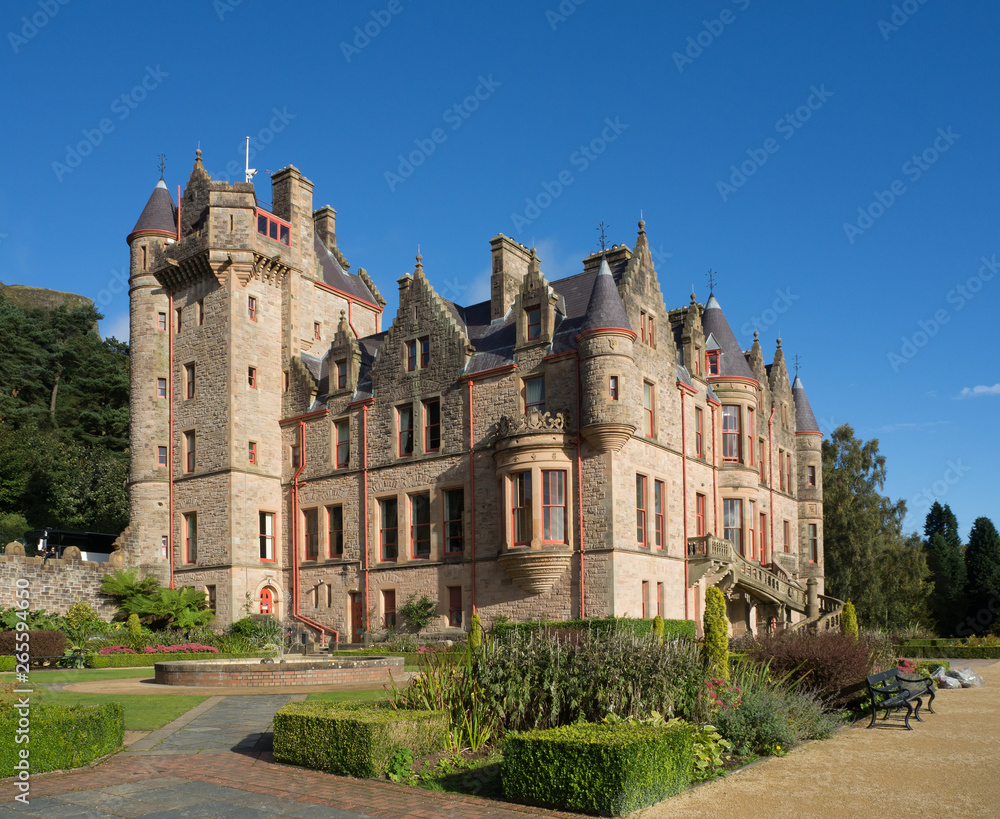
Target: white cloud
[
  {"x": 981, "y": 389},
  {"x": 116, "y": 326}
]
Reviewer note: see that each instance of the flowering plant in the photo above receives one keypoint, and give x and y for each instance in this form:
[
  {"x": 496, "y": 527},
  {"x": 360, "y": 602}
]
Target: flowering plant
[
  {"x": 906, "y": 667},
  {"x": 719, "y": 693}
]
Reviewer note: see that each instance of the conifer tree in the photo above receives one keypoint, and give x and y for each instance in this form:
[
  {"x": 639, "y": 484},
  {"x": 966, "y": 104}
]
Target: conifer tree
[
  {"x": 982, "y": 562},
  {"x": 947, "y": 566}
]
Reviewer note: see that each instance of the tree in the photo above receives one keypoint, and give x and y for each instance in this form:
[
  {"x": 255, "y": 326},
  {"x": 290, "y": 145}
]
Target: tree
[
  {"x": 947, "y": 566},
  {"x": 982, "y": 562},
  {"x": 942, "y": 521},
  {"x": 867, "y": 559},
  {"x": 716, "y": 626}
]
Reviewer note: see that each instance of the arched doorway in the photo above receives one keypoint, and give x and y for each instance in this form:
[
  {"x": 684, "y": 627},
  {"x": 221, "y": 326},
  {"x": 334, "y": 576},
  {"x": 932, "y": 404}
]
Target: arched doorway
[{"x": 267, "y": 600}]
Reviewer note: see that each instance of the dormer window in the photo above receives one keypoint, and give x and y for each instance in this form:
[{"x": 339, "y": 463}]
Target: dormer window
[
  {"x": 271, "y": 227},
  {"x": 712, "y": 362},
  {"x": 342, "y": 374},
  {"x": 534, "y": 321},
  {"x": 421, "y": 346}
]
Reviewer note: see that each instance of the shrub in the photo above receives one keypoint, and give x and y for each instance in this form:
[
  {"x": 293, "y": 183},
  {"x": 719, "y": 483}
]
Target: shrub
[
  {"x": 828, "y": 663},
  {"x": 672, "y": 629},
  {"x": 418, "y": 612},
  {"x": 658, "y": 627},
  {"x": 82, "y": 616},
  {"x": 475, "y": 632},
  {"x": 8, "y": 662},
  {"x": 134, "y": 627},
  {"x": 40, "y": 643},
  {"x": 608, "y": 770},
  {"x": 62, "y": 737},
  {"x": 849, "y": 620},
  {"x": 716, "y": 634},
  {"x": 135, "y": 660},
  {"x": 353, "y": 741}
]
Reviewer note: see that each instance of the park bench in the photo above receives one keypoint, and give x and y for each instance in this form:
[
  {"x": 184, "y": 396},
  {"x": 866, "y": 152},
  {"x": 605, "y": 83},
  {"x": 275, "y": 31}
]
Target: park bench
[{"x": 888, "y": 693}]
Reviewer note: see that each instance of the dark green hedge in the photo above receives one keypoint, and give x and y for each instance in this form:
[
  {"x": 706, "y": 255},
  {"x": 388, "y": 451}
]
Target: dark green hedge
[
  {"x": 61, "y": 736},
  {"x": 7, "y": 662},
  {"x": 672, "y": 629},
  {"x": 608, "y": 770},
  {"x": 954, "y": 651},
  {"x": 142, "y": 660},
  {"x": 357, "y": 740},
  {"x": 40, "y": 643}
]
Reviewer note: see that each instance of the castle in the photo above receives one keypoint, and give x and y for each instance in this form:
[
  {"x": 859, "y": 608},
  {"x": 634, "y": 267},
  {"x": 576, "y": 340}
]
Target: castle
[{"x": 566, "y": 449}]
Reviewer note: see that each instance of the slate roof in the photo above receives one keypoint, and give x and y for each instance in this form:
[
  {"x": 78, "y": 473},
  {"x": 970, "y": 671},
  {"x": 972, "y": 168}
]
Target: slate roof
[
  {"x": 805, "y": 421},
  {"x": 732, "y": 362},
  {"x": 335, "y": 275},
  {"x": 605, "y": 308},
  {"x": 160, "y": 213}
]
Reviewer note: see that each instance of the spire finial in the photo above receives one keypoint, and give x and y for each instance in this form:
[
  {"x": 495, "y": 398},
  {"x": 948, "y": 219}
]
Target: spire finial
[
  {"x": 756, "y": 337},
  {"x": 692, "y": 296},
  {"x": 711, "y": 281},
  {"x": 779, "y": 342},
  {"x": 642, "y": 224},
  {"x": 419, "y": 270},
  {"x": 162, "y": 164},
  {"x": 796, "y": 365},
  {"x": 603, "y": 228}
]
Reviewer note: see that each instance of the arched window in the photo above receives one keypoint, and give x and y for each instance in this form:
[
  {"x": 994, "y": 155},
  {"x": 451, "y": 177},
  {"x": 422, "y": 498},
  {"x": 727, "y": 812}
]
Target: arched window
[{"x": 266, "y": 601}]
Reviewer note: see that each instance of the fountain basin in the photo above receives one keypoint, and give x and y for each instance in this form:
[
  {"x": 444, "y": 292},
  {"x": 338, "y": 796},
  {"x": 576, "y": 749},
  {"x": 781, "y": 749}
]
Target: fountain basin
[{"x": 252, "y": 673}]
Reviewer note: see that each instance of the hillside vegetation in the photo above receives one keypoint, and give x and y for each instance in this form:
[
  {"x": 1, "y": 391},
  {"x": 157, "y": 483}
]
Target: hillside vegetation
[{"x": 63, "y": 420}]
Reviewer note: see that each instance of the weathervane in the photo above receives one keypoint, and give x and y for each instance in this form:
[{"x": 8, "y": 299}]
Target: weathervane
[
  {"x": 163, "y": 164},
  {"x": 796, "y": 364},
  {"x": 711, "y": 281},
  {"x": 603, "y": 228}
]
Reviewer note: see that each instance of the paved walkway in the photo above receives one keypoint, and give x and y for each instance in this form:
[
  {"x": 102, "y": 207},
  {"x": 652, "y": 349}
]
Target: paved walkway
[{"x": 216, "y": 761}]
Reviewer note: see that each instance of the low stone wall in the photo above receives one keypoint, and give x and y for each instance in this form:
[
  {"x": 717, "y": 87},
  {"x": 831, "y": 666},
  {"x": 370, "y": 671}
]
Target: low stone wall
[
  {"x": 254, "y": 673},
  {"x": 57, "y": 584}
]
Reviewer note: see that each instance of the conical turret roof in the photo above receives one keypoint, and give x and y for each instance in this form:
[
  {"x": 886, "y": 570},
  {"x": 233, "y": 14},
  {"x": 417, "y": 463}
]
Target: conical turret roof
[
  {"x": 805, "y": 421},
  {"x": 159, "y": 215},
  {"x": 732, "y": 363},
  {"x": 605, "y": 309}
]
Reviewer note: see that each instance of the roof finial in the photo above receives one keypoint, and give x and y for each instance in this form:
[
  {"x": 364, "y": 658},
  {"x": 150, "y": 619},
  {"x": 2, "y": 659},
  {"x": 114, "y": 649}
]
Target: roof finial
[
  {"x": 642, "y": 224},
  {"x": 603, "y": 228},
  {"x": 162, "y": 164},
  {"x": 711, "y": 281},
  {"x": 756, "y": 337},
  {"x": 796, "y": 365},
  {"x": 419, "y": 269},
  {"x": 779, "y": 342}
]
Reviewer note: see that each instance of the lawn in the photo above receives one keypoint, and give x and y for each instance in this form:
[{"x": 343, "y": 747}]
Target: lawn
[
  {"x": 75, "y": 675},
  {"x": 349, "y": 696},
  {"x": 143, "y": 712}
]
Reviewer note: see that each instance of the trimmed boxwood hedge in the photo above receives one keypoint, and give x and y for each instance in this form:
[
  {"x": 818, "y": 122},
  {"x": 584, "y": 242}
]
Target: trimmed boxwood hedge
[
  {"x": 672, "y": 629},
  {"x": 354, "y": 739},
  {"x": 608, "y": 770},
  {"x": 45, "y": 643},
  {"x": 952, "y": 649},
  {"x": 8, "y": 662},
  {"x": 142, "y": 660},
  {"x": 62, "y": 736}
]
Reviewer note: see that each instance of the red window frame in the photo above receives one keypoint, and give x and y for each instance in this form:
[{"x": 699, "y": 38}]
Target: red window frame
[
  {"x": 534, "y": 322},
  {"x": 554, "y": 506},
  {"x": 763, "y": 477},
  {"x": 161, "y": 321},
  {"x": 763, "y": 537},
  {"x": 161, "y": 387},
  {"x": 732, "y": 522},
  {"x": 454, "y": 521},
  {"x": 316, "y": 333},
  {"x": 641, "y": 502},
  {"x": 810, "y": 476},
  {"x": 699, "y": 432},
  {"x": 266, "y": 537},
  {"x": 425, "y": 352},
  {"x": 751, "y": 532},
  {"x": 652, "y": 334},
  {"x": 389, "y": 607},
  {"x": 343, "y": 446},
  {"x": 189, "y": 380},
  {"x": 266, "y": 601},
  {"x": 189, "y": 451},
  {"x": 712, "y": 362},
  {"x": 781, "y": 470},
  {"x": 659, "y": 533},
  {"x": 700, "y": 502},
  {"x": 252, "y": 308},
  {"x": 787, "y": 529},
  {"x": 751, "y": 432},
  {"x": 310, "y": 534},
  {"x": 731, "y": 433},
  {"x": 455, "y": 606},
  {"x": 645, "y": 599},
  {"x": 788, "y": 471},
  {"x": 342, "y": 374},
  {"x": 420, "y": 526},
  {"x": 252, "y": 452},
  {"x": 411, "y": 356},
  {"x": 191, "y": 537},
  {"x": 813, "y": 543},
  {"x": 432, "y": 425},
  {"x": 335, "y": 530},
  {"x": 388, "y": 533},
  {"x": 252, "y": 377},
  {"x": 143, "y": 257},
  {"x": 660, "y": 598},
  {"x": 296, "y": 456},
  {"x": 540, "y": 404},
  {"x": 271, "y": 227},
  {"x": 649, "y": 408},
  {"x": 405, "y": 433},
  {"x": 161, "y": 456},
  {"x": 613, "y": 387},
  {"x": 642, "y": 326},
  {"x": 520, "y": 508}
]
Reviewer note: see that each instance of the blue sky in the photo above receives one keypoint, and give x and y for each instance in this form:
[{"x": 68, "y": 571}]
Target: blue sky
[{"x": 836, "y": 163}]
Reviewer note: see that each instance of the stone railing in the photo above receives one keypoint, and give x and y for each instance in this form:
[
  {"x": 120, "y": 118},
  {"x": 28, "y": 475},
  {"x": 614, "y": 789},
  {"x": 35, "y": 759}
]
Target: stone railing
[
  {"x": 828, "y": 618},
  {"x": 747, "y": 573}
]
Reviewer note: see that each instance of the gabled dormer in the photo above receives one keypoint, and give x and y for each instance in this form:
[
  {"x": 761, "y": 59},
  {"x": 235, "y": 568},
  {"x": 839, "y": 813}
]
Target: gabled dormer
[
  {"x": 693, "y": 340},
  {"x": 781, "y": 391},
  {"x": 344, "y": 360},
  {"x": 535, "y": 308},
  {"x": 639, "y": 288}
]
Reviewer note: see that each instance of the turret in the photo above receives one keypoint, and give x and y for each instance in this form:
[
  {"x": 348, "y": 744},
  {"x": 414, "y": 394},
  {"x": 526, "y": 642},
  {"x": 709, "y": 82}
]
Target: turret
[
  {"x": 607, "y": 367},
  {"x": 809, "y": 472},
  {"x": 149, "y": 365}
]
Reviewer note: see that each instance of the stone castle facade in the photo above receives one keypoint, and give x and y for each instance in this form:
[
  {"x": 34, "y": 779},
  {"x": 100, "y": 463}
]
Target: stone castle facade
[{"x": 568, "y": 448}]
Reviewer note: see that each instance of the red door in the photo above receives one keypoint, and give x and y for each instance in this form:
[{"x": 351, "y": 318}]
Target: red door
[{"x": 357, "y": 618}]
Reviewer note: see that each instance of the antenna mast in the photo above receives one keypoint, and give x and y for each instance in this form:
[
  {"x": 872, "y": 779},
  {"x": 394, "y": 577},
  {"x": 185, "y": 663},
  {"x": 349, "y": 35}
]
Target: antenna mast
[{"x": 249, "y": 171}]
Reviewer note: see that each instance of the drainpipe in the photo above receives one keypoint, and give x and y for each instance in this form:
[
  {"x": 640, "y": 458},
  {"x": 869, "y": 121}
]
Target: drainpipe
[
  {"x": 472, "y": 505},
  {"x": 364, "y": 504},
  {"x": 579, "y": 485},
  {"x": 170, "y": 424},
  {"x": 770, "y": 476},
  {"x": 684, "y": 473},
  {"x": 295, "y": 545},
  {"x": 715, "y": 479}
]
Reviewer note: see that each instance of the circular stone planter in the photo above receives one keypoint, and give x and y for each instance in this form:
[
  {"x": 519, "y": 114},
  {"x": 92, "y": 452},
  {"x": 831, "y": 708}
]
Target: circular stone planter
[{"x": 254, "y": 673}]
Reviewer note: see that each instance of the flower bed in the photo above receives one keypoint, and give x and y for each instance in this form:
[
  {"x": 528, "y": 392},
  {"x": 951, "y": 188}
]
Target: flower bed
[{"x": 182, "y": 648}]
